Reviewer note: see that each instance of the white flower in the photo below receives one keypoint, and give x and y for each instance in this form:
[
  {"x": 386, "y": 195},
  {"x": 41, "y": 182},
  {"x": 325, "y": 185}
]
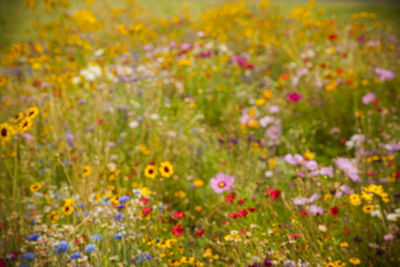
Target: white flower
[{"x": 133, "y": 124}]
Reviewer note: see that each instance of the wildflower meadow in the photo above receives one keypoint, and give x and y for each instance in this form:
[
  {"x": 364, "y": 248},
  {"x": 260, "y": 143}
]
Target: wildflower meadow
[{"x": 199, "y": 133}]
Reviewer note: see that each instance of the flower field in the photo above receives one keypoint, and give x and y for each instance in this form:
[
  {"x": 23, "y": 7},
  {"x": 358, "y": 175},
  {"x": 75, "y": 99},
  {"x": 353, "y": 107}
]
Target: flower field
[{"x": 220, "y": 133}]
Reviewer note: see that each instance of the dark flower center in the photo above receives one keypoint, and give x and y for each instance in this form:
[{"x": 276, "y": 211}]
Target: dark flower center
[{"x": 4, "y": 132}]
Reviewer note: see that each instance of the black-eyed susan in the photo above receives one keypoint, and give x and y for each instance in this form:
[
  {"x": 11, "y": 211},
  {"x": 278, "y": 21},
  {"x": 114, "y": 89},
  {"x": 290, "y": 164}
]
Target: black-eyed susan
[
  {"x": 368, "y": 208},
  {"x": 24, "y": 125},
  {"x": 166, "y": 169},
  {"x": 6, "y": 132},
  {"x": 87, "y": 170},
  {"x": 32, "y": 112},
  {"x": 18, "y": 117},
  {"x": 54, "y": 216},
  {"x": 330, "y": 264},
  {"x": 35, "y": 187},
  {"x": 150, "y": 171},
  {"x": 69, "y": 202},
  {"x": 67, "y": 209}
]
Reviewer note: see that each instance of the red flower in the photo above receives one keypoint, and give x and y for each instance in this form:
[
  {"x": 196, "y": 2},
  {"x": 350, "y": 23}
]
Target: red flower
[
  {"x": 346, "y": 231},
  {"x": 199, "y": 233},
  {"x": 229, "y": 198},
  {"x": 179, "y": 214},
  {"x": 294, "y": 236},
  {"x": 252, "y": 209},
  {"x": 303, "y": 213},
  {"x": 144, "y": 200},
  {"x": 241, "y": 201},
  {"x": 274, "y": 194},
  {"x": 241, "y": 213},
  {"x": 243, "y": 231},
  {"x": 146, "y": 210},
  {"x": 335, "y": 211},
  {"x": 332, "y": 36},
  {"x": 177, "y": 230}
]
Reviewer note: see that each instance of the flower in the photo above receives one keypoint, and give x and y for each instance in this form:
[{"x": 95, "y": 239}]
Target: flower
[
  {"x": 75, "y": 255},
  {"x": 32, "y": 112},
  {"x": 24, "y": 125},
  {"x": 28, "y": 256},
  {"x": 368, "y": 208},
  {"x": 335, "y": 211},
  {"x": 221, "y": 182},
  {"x": 87, "y": 170},
  {"x": 35, "y": 187},
  {"x": 355, "y": 261},
  {"x": 355, "y": 200},
  {"x": 166, "y": 169},
  {"x": 33, "y": 237},
  {"x": 198, "y": 183},
  {"x": 90, "y": 248},
  {"x": 96, "y": 237},
  {"x": 150, "y": 171},
  {"x": 6, "y": 132},
  {"x": 177, "y": 230},
  {"x": 346, "y": 166},
  {"x": 62, "y": 247},
  {"x": 368, "y": 98},
  {"x": 123, "y": 199},
  {"x": 294, "y": 97},
  {"x": 67, "y": 209},
  {"x": 179, "y": 214}
]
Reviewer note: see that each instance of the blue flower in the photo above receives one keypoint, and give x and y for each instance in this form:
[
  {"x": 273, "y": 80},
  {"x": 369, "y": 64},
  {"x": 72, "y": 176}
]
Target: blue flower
[
  {"x": 117, "y": 237},
  {"x": 33, "y": 237},
  {"x": 75, "y": 255},
  {"x": 90, "y": 248},
  {"x": 28, "y": 256},
  {"x": 118, "y": 217},
  {"x": 96, "y": 237},
  {"x": 62, "y": 247},
  {"x": 123, "y": 199}
]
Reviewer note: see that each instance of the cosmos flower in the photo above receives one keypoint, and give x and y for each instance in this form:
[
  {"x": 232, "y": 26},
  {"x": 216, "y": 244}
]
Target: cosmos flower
[
  {"x": 368, "y": 98},
  {"x": 221, "y": 182}
]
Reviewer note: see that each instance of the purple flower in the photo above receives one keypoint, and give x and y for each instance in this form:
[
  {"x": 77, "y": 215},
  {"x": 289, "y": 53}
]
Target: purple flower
[
  {"x": 274, "y": 132},
  {"x": 33, "y": 237},
  {"x": 368, "y": 98},
  {"x": 221, "y": 182}
]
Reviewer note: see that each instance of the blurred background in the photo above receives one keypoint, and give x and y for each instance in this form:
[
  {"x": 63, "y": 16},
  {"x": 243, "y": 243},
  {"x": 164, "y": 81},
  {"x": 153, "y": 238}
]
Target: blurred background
[{"x": 16, "y": 16}]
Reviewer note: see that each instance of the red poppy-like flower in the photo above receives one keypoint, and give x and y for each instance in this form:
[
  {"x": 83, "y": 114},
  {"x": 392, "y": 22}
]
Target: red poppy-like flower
[
  {"x": 177, "y": 230},
  {"x": 346, "y": 231},
  {"x": 146, "y": 210},
  {"x": 179, "y": 214},
  {"x": 241, "y": 213},
  {"x": 274, "y": 194},
  {"x": 335, "y": 211},
  {"x": 303, "y": 213},
  {"x": 252, "y": 209},
  {"x": 243, "y": 231},
  {"x": 229, "y": 198},
  {"x": 332, "y": 36},
  {"x": 199, "y": 233},
  {"x": 294, "y": 236},
  {"x": 241, "y": 201}
]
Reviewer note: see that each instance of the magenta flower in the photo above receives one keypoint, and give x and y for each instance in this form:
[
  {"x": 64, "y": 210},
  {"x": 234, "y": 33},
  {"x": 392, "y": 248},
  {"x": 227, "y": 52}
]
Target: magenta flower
[
  {"x": 294, "y": 97},
  {"x": 222, "y": 182},
  {"x": 346, "y": 166},
  {"x": 368, "y": 98}
]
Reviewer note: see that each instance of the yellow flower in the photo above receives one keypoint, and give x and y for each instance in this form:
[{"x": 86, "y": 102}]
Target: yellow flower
[
  {"x": 87, "y": 170},
  {"x": 18, "y": 117},
  {"x": 267, "y": 94},
  {"x": 198, "y": 208},
  {"x": 54, "y": 216},
  {"x": 24, "y": 125},
  {"x": 6, "y": 132},
  {"x": 67, "y": 209},
  {"x": 32, "y": 112},
  {"x": 367, "y": 196},
  {"x": 355, "y": 261},
  {"x": 145, "y": 191},
  {"x": 368, "y": 208},
  {"x": 180, "y": 194},
  {"x": 198, "y": 183},
  {"x": 344, "y": 245},
  {"x": 330, "y": 264},
  {"x": 69, "y": 202},
  {"x": 3, "y": 80},
  {"x": 150, "y": 171},
  {"x": 166, "y": 169},
  {"x": 309, "y": 155},
  {"x": 260, "y": 102},
  {"x": 35, "y": 187},
  {"x": 355, "y": 200}
]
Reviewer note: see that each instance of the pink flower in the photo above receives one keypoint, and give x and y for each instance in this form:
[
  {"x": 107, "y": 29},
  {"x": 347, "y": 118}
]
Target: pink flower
[
  {"x": 221, "y": 182},
  {"x": 293, "y": 159},
  {"x": 368, "y": 98},
  {"x": 274, "y": 109},
  {"x": 294, "y": 97},
  {"x": 346, "y": 166},
  {"x": 384, "y": 74}
]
